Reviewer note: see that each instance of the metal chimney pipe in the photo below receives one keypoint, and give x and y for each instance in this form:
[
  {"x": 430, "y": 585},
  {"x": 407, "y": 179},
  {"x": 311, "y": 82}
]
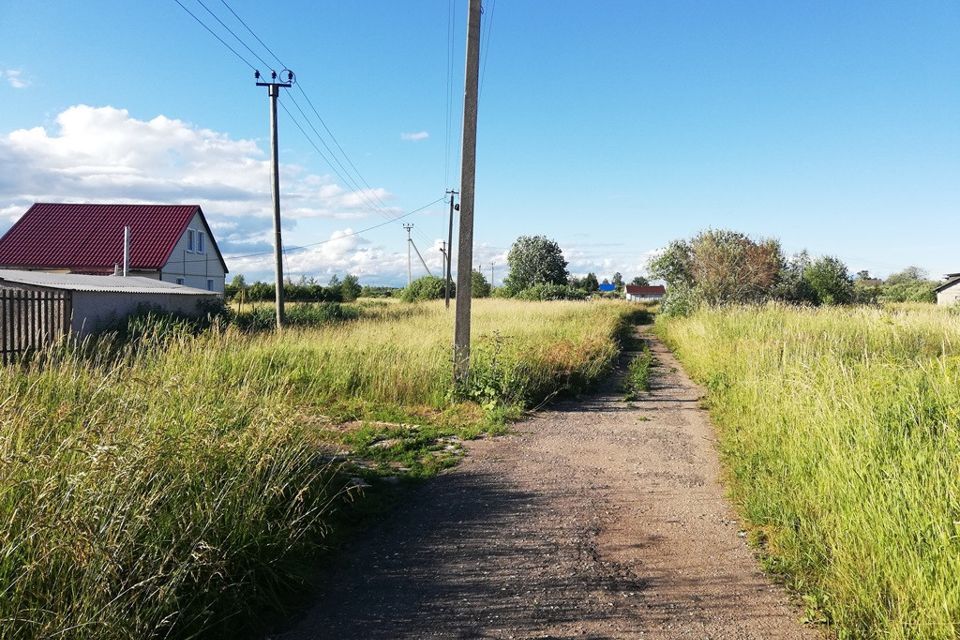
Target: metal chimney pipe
[{"x": 126, "y": 251}]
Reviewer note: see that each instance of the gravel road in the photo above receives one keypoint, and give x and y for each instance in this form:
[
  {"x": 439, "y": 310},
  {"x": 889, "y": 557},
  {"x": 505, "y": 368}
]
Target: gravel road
[{"x": 596, "y": 519}]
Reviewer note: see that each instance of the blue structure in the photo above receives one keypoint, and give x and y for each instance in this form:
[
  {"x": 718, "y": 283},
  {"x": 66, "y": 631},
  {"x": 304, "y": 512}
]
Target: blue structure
[{"x": 608, "y": 287}]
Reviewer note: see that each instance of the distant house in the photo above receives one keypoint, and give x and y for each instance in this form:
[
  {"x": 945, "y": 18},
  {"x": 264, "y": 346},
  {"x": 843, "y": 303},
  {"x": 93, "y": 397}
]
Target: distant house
[
  {"x": 170, "y": 243},
  {"x": 92, "y": 303},
  {"x": 650, "y": 293},
  {"x": 948, "y": 293}
]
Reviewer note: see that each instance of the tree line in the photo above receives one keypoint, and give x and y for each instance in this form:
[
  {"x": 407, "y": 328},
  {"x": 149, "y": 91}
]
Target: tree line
[{"x": 719, "y": 266}]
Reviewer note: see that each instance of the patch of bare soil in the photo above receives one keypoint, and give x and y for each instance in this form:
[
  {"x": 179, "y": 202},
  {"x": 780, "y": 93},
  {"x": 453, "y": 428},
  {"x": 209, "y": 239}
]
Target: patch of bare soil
[{"x": 597, "y": 519}]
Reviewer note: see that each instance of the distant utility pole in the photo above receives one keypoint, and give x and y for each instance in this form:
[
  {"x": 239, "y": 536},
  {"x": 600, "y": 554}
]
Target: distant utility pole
[
  {"x": 449, "y": 254},
  {"x": 273, "y": 90},
  {"x": 468, "y": 169},
  {"x": 409, "y": 228},
  {"x": 491, "y": 273}
]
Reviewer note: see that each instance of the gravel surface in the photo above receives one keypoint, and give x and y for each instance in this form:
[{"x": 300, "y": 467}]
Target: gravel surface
[{"x": 596, "y": 519}]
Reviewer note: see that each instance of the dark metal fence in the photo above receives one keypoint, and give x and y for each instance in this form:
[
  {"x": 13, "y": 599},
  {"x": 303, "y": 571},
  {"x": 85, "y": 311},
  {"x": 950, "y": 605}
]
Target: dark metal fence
[{"x": 30, "y": 320}]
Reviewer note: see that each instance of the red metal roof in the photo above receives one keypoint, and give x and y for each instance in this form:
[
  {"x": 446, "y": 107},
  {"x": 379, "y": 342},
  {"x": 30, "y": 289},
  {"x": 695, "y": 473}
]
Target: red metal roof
[
  {"x": 652, "y": 290},
  {"x": 89, "y": 237}
]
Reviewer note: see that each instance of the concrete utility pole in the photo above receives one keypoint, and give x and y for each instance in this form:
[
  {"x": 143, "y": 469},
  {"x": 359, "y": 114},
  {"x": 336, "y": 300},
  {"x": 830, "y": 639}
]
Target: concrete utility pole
[
  {"x": 273, "y": 90},
  {"x": 449, "y": 254},
  {"x": 468, "y": 168},
  {"x": 491, "y": 274},
  {"x": 408, "y": 228}
]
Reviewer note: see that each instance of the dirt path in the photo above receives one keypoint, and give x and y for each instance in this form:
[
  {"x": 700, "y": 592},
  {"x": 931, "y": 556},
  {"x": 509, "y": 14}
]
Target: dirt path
[{"x": 598, "y": 519}]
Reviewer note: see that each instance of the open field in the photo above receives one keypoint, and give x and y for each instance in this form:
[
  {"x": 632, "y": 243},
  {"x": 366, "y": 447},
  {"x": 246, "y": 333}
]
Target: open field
[
  {"x": 182, "y": 483},
  {"x": 841, "y": 432}
]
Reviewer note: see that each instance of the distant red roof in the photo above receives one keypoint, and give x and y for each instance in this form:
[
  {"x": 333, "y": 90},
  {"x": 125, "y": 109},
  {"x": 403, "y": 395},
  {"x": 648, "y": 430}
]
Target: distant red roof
[
  {"x": 88, "y": 238},
  {"x": 652, "y": 290}
]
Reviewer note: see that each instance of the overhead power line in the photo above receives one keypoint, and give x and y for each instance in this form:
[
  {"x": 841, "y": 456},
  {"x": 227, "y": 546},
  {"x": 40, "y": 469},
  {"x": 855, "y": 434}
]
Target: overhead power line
[
  {"x": 485, "y": 49},
  {"x": 214, "y": 34},
  {"x": 353, "y": 178},
  {"x": 238, "y": 38},
  {"x": 349, "y": 181},
  {"x": 346, "y": 235},
  {"x": 262, "y": 43},
  {"x": 289, "y": 250}
]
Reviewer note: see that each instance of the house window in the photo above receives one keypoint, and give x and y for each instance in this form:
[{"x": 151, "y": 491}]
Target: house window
[
  {"x": 191, "y": 240},
  {"x": 209, "y": 285},
  {"x": 179, "y": 280},
  {"x": 200, "y": 241}
]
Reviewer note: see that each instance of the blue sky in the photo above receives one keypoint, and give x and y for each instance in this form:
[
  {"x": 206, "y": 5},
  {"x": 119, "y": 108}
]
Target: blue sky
[{"x": 612, "y": 127}]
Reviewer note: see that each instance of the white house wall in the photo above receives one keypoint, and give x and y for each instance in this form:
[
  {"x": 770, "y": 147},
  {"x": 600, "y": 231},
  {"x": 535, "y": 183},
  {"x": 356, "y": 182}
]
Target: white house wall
[
  {"x": 195, "y": 268},
  {"x": 949, "y": 296}
]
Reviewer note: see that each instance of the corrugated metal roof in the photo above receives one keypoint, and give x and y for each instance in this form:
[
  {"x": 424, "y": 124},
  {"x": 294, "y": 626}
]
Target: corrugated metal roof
[
  {"x": 89, "y": 237},
  {"x": 111, "y": 284},
  {"x": 949, "y": 283}
]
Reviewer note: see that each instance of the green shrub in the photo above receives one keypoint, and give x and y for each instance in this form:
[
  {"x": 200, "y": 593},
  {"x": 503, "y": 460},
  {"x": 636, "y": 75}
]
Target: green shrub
[
  {"x": 305, "y": 314},
  {"x": 426, "y": 288},
  {"x": 543, "y": 292}
]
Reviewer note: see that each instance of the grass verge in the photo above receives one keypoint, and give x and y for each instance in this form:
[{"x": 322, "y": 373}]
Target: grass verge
[{"x": 840, "y": 429}]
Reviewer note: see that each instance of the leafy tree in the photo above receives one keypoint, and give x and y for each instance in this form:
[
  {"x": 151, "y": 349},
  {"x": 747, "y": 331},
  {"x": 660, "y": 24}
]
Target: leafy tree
[
  {"x": 909, "y": 285},
  {"x": 862, "y": 275},
  {"x": 910, "y": 274},
  {"x": 674, "y": 265},
  {"x": 334, "y": 281},
  {"x": 426, "y": 288},
  {"x": 792, "y": 287},
  {"x": 640, "y": 281},
  {"x": 718, "y": 267},
  {"x": 590, "y": 283},
  {"x": 350, "y": 288},
  {"x": 479, "y": 286},
  {"x": 721, "y": 266},
  {"x": 828, "y": 278},
  {"x": 236, "y": 287},
  {"x": 617, "y": 281},
  {"x": 535, "y": 260}
]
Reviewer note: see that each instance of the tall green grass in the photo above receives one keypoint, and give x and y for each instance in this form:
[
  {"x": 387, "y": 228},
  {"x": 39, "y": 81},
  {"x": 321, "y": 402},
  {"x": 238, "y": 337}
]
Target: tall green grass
[
  {"x": 841, "y": 431},
  {"x": 174, "y": 486}
]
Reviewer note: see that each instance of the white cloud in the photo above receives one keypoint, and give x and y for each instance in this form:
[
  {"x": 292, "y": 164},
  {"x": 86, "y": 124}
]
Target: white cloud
[
  {"x": 105, "y": 154},
  {"x": 14, "y": 78},
  {"x": 416, "y": 136}
]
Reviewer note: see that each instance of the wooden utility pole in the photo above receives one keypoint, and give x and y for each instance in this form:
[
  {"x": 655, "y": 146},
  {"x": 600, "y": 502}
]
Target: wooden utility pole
[
  {"x": 273, "y": 90},
  {"x": 449, "y": 254},
  {"x": 468, "y": 168}
]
